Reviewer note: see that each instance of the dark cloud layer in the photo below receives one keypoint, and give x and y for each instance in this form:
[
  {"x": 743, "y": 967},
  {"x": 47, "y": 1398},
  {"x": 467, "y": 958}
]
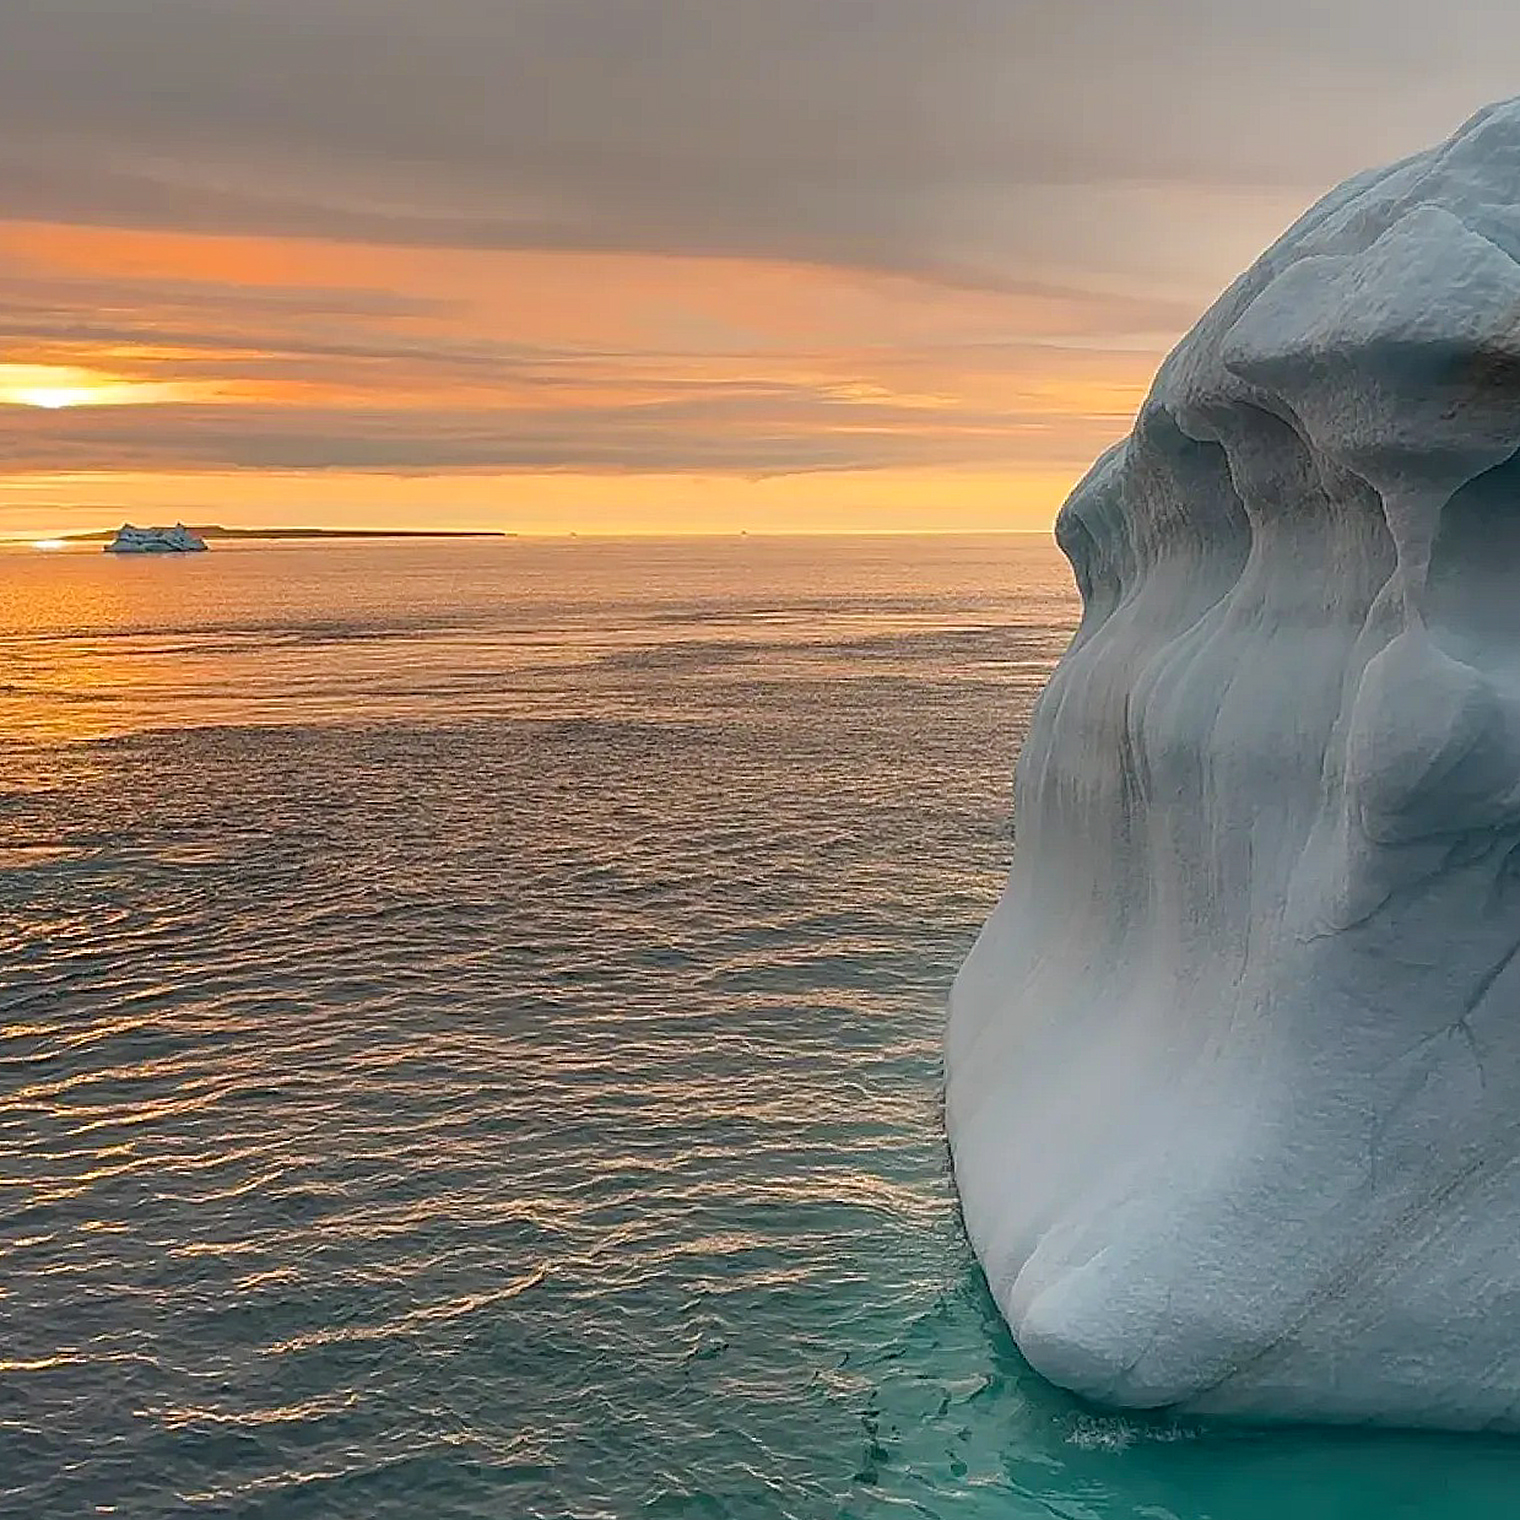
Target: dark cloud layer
[{"x": 894, "y": 133}]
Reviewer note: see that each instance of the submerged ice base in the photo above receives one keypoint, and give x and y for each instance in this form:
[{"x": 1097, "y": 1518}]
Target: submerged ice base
[{"x": 1234, "y": 1069}]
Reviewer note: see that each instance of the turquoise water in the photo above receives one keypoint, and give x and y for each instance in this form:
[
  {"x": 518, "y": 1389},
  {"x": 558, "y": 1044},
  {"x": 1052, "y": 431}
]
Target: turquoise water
[{"x": 471, "y": 1047}]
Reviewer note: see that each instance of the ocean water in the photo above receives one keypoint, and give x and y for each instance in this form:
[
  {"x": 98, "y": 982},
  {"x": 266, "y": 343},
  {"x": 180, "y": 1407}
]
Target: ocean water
[{"x": 470, "y": 1047}]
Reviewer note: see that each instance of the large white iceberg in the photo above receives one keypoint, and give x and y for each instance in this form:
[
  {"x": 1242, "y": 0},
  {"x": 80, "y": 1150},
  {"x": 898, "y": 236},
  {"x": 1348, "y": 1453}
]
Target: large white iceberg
[{"x": 1234, "y": 1069}]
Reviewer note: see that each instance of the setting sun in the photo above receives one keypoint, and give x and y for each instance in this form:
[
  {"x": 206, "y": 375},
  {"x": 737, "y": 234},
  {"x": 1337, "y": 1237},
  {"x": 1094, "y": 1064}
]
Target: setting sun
[
  {"x": 52, "y": 386},
  {"x": 52, "y": 397},
  {"x": 55, "y": 387}
]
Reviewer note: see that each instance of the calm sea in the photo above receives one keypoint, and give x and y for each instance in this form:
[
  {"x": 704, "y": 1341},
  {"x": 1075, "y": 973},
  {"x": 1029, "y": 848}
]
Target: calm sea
[{"x": 471, "y": 1021}]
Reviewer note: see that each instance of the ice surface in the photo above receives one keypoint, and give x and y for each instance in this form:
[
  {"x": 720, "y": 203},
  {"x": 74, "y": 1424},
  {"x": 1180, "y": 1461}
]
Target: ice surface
[{"x": 1234, "y": 1069}]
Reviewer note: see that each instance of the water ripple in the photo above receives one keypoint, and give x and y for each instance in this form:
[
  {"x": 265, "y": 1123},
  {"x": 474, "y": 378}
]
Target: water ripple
[{"x": 472, "y": 1050}]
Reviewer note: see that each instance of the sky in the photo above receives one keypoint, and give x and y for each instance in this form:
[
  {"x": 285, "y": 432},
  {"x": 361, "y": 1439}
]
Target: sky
[{"x": 650, "y": 265}]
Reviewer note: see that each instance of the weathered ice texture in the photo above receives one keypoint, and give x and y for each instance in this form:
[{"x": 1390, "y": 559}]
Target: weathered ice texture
[{"x": 1234, "y": 1069}]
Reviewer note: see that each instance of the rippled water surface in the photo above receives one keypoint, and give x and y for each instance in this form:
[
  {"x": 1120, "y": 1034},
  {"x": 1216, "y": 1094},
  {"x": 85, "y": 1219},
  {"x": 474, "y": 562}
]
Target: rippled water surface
[{"x": 471, "y": 1046}]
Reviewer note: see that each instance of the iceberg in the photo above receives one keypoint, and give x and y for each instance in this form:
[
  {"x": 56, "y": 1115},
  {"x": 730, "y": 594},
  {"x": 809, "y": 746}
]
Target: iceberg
[
  {"x": 1233, "y": 1070},
  {"x": 176, "y": 540}
]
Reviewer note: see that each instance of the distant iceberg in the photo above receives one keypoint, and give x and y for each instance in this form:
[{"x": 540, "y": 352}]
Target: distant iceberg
[
  {"x": 176, "y": 540},
  {"x": 1233, "y": 1072}
]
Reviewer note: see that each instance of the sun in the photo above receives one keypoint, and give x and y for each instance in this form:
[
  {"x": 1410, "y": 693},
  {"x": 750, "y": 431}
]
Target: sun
[
  {"x": 53, "y": 398},
  {"x": 56, "y": 387},
  {"x": 53, "y": 387}
]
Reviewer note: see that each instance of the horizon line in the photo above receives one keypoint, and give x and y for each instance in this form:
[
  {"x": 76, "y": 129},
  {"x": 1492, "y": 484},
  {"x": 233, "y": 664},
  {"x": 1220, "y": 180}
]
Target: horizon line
[{"x": 82, "y": 536}]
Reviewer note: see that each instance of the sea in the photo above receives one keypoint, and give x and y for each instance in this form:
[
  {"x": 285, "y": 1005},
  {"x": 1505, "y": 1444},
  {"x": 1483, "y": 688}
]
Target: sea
[{"x": 470, "y": 1023}]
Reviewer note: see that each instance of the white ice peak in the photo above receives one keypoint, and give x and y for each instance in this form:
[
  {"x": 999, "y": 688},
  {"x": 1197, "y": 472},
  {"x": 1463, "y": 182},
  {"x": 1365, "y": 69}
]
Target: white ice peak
[
  {"x": 1234, "y": 1069},
  {"x": 176, "y": 540}
]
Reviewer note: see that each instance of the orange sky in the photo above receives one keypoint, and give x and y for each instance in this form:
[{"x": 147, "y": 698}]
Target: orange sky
[
  {"x": 260, "y": 380},
  {"x": 554, "y": 267}
]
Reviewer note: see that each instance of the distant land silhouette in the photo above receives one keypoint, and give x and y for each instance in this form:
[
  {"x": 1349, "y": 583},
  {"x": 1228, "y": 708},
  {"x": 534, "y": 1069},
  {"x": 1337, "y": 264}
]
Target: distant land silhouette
[{"x": 213, "y": 530}]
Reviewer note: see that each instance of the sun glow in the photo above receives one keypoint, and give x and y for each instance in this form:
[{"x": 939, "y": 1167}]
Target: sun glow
[
  {"x": 56, "y": 387},
  {"x": 52, "y": 398},
  {"x": 48, "y": 543}
]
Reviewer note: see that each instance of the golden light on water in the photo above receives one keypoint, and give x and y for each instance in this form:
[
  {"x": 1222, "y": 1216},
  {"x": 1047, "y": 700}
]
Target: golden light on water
[{"x": 48, "y": 543}]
